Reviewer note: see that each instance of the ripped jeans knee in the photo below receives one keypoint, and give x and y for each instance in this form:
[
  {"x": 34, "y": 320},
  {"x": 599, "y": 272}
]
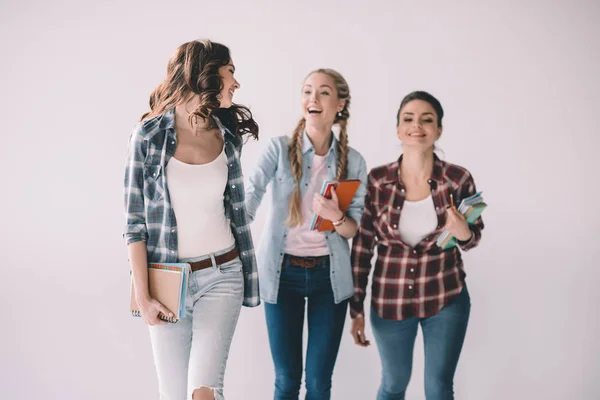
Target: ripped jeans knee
[{"x": 207, "y": 393}]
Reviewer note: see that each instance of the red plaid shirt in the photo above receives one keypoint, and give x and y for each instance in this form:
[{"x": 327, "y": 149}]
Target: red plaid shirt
[{"x": 408, "y": 281}]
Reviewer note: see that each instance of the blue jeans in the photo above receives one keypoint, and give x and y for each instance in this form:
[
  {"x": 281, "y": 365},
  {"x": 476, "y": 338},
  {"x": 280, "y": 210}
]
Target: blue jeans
[
  {"x": 193, "y": 352},
  {"x": 285, "y": 324},
  {"x": 443, "y": 337}
]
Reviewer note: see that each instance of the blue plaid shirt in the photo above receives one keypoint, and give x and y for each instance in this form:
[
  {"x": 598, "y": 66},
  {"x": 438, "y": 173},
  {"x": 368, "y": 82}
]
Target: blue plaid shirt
[{"x": 148, "y": 210}]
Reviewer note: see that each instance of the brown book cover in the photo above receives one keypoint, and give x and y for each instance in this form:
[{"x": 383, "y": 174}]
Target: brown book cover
[
  {"x": 345, "y": 191},
  {"x": 167, "y": 283}
]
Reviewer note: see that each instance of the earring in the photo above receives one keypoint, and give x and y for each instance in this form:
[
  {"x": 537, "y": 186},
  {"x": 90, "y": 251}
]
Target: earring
[{"x": 339, "y": 114}]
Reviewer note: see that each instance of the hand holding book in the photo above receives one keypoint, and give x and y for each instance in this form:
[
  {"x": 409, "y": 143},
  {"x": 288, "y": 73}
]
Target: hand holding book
[
  {"x": 327, "y": 208},
  {"x": 167, "y": 289},
  {"x": 151, "y": 310},
  {"x": 344, "y": 192},
  {"x": 456, "y": 223}
]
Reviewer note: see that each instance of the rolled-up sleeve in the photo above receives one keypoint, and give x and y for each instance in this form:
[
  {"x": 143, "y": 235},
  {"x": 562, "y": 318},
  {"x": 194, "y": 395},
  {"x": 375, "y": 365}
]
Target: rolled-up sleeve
[
  {"x": 355, "y": 211},
  {"x": 135, "y": 217},
  {"x": 468, "y": 189},
  {"x": 363, "y": 247}
]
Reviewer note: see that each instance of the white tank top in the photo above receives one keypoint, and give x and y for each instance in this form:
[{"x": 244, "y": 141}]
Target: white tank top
[
  {"x": 417, "y": 220},
  {"x": 197, "y": 194},
  {"x": 301, "y": 241}
]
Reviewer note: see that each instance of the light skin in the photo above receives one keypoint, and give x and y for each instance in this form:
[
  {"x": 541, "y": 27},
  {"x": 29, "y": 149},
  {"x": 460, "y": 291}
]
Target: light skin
[
  {"x": 418, "y": 130},
  {"x": 320, "y": 104},
  {"x": 197, "y": 144}
]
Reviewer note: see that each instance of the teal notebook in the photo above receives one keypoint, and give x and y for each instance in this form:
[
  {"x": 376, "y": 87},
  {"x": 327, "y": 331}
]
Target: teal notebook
[{"x": 471, "y": 208}]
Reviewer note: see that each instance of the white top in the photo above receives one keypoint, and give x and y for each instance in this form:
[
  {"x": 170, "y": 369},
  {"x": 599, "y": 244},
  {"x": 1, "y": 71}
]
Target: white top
[
  {"x": 417, "y": 220},
  {"x": 301, "y": 241},
  {"x": 197, "y": 196}
]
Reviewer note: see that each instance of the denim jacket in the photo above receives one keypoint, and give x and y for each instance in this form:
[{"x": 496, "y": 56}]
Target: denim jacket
[{"x": 274, "y": 168}]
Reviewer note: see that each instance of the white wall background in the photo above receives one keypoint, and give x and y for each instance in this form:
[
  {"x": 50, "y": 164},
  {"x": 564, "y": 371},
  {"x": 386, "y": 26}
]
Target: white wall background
[{"x": 519, "y": 84}]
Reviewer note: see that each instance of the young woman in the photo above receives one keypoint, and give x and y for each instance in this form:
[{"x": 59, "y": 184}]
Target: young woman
[
  {"x": 299, "y": 266},
  {"x": 184, "y": 202},
  {"x": 408, "y": 204}
]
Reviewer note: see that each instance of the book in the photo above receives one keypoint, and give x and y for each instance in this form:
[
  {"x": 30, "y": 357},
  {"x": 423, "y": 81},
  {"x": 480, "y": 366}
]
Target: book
[
  {"x": 167, "y": 283},
  {"x": 471, "y": 208},
  {"x": 345, "y": 190}
]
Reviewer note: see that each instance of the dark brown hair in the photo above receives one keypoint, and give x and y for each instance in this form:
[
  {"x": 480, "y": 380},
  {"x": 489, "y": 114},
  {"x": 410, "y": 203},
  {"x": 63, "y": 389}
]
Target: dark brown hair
[
  {"x": 420, "y": 95},
  {"x": 194, "y": 69}
]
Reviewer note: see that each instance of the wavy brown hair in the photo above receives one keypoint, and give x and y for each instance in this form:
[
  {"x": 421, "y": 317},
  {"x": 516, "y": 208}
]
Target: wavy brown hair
[
  {"x": 295, "y": 145},
  {"x": 194, "y": 69}
]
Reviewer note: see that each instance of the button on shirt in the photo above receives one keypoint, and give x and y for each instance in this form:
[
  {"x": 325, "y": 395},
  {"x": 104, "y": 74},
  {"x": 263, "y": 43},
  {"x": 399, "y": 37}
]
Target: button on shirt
[
  {"x": 148, "y": 210},
  {"x": 409, "y": 281},
  {"x": 274, "y": 169}
]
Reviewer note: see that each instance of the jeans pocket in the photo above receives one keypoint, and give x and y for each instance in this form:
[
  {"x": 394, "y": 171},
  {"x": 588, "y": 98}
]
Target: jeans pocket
[{"x": 231, "y": 267}]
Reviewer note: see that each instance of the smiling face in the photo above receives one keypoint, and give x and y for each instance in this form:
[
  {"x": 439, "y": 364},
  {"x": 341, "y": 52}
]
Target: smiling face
[
  {"x": 418, "y": 125},
  {"x": 230, "y": 85},
  {"x": 320, "y": 100}
]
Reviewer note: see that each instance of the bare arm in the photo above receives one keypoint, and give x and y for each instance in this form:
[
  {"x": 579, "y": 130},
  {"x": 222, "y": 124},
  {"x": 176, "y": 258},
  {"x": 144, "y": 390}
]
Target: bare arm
[
  {"x": 139, "y": 269},
  {"x": 149, "y": 307}
]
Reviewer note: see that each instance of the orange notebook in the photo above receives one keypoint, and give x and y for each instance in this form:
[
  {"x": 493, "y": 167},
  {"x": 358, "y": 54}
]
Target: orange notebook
[
  {"x": 167, "y": 283},
  {"x": 345, "y": 191}
]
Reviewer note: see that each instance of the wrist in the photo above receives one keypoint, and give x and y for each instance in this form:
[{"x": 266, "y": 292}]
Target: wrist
[
  {"x": 143, "y": 298},
  {"x": 466, "y": 237},
  {"x": 340, "y": 221}
]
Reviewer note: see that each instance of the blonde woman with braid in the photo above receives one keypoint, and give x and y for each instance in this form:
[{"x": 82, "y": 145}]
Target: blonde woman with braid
[{"x": 302, "y": 270}]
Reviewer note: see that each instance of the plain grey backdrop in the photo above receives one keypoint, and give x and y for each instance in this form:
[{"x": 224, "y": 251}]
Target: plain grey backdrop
[{"x": 519, "y": 84}]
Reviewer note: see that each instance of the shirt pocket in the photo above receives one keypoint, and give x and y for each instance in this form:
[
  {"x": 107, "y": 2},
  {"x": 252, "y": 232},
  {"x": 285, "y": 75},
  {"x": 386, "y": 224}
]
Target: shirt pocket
[
  {"x": 383, "y": 218},
  {"x": 153, "y": 182},
  {"x": 283, "y": 184},
  {"x": 284, "y": 175}
]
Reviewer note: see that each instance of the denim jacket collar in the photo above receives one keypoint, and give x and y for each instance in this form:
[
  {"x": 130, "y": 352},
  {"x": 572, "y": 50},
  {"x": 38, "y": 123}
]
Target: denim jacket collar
[{"x": 308, "y": 146}]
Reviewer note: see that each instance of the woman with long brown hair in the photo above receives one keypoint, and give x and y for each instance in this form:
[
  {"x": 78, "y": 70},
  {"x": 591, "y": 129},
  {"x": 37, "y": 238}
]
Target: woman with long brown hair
[
  {"x": 301, "y": 268},
  {"x": 184, "y": 202}
]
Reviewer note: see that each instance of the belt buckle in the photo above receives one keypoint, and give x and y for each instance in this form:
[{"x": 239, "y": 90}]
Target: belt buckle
[{"x": 310, "y": 262}]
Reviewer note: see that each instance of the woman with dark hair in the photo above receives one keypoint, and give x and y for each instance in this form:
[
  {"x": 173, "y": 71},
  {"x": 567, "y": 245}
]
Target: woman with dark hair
[
  {"x": 303, "y": 271},
  {"x": 408, "y": 204},
  {"x": 184, "y": 202}
]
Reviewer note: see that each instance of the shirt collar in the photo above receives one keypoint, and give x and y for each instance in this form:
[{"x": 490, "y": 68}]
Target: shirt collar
[
  {"x": 307, "y": 144},
  {"x": 167, "y": 122},
  {"x": 224, "y": 130},
  {"x": 437, "y": 174}
]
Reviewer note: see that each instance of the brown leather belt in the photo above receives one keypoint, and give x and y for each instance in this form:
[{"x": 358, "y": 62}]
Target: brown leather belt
[
  {"x": 220, "y": 259},
  {"x": 306, "y": 262}
]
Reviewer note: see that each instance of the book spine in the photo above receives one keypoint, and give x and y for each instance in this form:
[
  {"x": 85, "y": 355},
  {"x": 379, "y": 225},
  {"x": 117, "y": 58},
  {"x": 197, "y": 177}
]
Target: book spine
[{"x": 165, "y": 267}]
